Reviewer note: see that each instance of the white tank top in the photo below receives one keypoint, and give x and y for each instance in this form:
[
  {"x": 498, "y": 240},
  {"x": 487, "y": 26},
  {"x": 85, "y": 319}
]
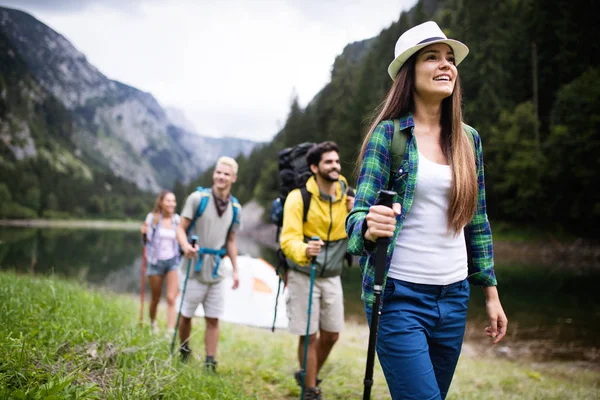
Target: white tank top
[
  {"x": 426, "y": 251},
  {"x": 165, "y": 249}
]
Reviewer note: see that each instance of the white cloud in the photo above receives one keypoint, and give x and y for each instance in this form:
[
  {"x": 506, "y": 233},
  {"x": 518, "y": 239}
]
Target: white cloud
[{"x": 230, "y": 65}]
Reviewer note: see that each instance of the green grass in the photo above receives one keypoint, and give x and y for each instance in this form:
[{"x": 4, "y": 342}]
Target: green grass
[{"x": 61, "y": 340}]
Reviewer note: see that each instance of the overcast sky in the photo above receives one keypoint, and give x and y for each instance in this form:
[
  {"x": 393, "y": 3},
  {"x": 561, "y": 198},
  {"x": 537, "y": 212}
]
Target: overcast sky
[{"x": 230, "y": 65}]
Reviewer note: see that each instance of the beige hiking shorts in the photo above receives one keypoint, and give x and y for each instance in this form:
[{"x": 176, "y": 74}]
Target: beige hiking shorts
[
  {"x": 211, "y": 296},
  {"x": 327, "y": 311}
]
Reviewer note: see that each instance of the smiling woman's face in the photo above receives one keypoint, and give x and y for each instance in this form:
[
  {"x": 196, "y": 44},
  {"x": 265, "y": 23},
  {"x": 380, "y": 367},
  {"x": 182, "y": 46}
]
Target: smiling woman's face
[
  {"x": 435, "y": 72},
  {"x": 168, "y": 203}
]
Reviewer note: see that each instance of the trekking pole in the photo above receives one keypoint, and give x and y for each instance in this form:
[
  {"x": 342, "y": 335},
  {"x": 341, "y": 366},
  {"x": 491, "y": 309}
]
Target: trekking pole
[
  {"x": 310, "y": 292},
  {"x": 143, "y": 290},
  {"x": 276, "y": 304},
  {"x": 385, "y": 198},
  {"x": 281, "y": 272},
  {"x": 187, "y": 275}
]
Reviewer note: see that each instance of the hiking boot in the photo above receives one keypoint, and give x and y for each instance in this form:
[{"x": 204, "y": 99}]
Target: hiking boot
[
  {"x": 186, "y": 352},
  {"x": 210, "y": 364},
  {"x": 298, "y": 377},
  {"x": 313, "y": 393}
]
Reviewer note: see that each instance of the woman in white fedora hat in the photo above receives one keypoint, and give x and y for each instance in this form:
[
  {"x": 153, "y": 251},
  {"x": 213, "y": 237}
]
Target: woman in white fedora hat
[{"x": 440, "y": 234}]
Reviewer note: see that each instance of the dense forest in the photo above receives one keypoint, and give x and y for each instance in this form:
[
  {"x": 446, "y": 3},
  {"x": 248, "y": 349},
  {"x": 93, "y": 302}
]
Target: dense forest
[{"x": 531, "y": 87}]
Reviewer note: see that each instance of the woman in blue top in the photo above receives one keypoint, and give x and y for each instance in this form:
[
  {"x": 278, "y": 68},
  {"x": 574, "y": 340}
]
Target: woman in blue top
[
  {"x": 162, "y": 253},
  {"x": 440, "y": 197}
]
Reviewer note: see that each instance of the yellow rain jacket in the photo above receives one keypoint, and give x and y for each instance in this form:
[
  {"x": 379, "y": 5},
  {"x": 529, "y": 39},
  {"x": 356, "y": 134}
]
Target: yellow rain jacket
[{"x": 325, "y": 218}]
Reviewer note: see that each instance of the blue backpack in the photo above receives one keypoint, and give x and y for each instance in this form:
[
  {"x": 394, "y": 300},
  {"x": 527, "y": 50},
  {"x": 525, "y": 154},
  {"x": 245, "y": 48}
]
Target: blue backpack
[{"x": 206, "y": 195}]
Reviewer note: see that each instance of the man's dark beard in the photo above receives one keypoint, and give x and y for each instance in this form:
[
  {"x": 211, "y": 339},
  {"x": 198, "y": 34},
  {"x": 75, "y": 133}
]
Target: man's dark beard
[{"x": 327, "y": 178}]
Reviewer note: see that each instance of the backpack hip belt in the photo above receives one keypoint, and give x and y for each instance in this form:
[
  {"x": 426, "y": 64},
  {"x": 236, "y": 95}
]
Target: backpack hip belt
[{"x": 219, "y": 253}]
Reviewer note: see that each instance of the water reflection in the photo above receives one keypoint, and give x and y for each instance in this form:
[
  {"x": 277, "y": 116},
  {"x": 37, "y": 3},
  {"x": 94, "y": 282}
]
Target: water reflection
[
  {"x": 556, "y": 311},
  {"x": 107, "y": 258},
  {"x": 85, "y": 255}
]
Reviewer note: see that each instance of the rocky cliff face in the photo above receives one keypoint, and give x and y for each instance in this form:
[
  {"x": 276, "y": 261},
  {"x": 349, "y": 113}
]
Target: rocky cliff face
[
  {"x": 118, "y": 126},
  {"x": 32, "y": 122}
]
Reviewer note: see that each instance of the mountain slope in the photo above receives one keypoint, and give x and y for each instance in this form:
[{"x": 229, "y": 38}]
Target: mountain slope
[
  {"x": 42, "y": 171},
  {"x": 115, "y": 125}
]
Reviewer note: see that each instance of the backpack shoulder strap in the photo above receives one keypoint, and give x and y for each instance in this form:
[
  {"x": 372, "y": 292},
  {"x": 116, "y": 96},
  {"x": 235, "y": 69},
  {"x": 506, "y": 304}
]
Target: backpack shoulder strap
[
  {"x": 306, "y": 197},
  {"x": 236, "y": 206},
  {"x": 236, "y": 211},
  {"x": 398, "y": 146},
  {"x": 204, "y": 199}
]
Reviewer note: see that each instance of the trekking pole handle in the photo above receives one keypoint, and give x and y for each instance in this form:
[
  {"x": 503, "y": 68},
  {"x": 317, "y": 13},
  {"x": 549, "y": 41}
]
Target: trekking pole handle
[
  {"x": 315, "y": 238},
  {"x": 144, "y": 239},
  {"x": 193, "y": 243},
  {"x": 385, "y": 198}
]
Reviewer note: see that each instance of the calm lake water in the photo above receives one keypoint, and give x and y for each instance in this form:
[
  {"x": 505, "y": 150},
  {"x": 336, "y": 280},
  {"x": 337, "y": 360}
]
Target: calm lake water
[{"x": 554, "y": 313}]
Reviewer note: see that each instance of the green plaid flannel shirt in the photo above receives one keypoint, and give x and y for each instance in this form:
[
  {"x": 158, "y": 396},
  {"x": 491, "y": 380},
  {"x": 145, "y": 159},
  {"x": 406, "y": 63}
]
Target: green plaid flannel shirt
[{"x": 375, "y": 175}]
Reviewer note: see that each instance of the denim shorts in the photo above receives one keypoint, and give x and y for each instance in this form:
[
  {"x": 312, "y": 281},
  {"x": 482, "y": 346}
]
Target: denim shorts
[
  {"x": 421, "y": 329},
  {"x": 162, "y": 267}
]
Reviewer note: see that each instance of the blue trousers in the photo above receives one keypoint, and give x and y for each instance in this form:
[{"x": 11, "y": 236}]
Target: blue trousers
[{"x": 420, "y": 336}]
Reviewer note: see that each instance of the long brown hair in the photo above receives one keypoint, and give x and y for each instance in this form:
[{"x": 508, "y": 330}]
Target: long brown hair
[
  {"x": 455, "y": 145},
  {"x": 157, "y": 210}
]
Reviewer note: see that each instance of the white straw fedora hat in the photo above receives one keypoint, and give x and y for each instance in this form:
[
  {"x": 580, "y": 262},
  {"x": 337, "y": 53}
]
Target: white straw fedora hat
[{"x": 421, "y": 36}]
